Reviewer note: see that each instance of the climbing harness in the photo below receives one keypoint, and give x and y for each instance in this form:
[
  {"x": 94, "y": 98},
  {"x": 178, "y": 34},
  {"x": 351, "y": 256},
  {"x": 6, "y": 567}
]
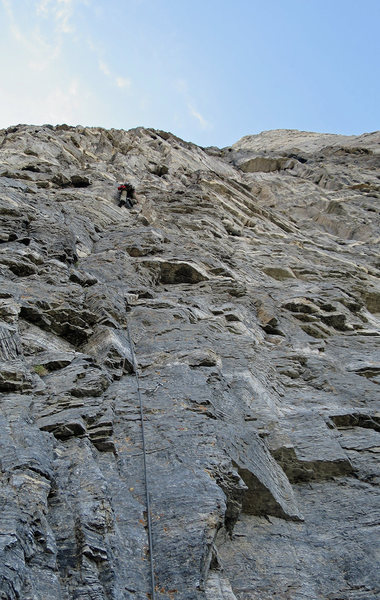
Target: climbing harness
[
  {"x": 126, "y": 195},
  {"x": 147, "y": 493}
]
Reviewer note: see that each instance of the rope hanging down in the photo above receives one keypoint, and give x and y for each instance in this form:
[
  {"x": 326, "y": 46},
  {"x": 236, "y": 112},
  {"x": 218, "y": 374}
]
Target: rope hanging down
[{"x": 147, "y": 493}]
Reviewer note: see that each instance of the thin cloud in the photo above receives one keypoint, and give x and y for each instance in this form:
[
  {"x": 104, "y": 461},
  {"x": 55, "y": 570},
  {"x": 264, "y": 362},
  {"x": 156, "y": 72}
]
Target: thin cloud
[
  {"x": 42, "y": 53},
  {"x": 123, "y": 82},
  {"x": 197, "y": 115},
  {"x": 118, "y": 80},
  {"x": 182, "y": 88},
  {"x": 16, "y": 32},
  {"x": 42, "y": 7},
  {"x": 39, "y": 51},
  {"x": 62, "y": 11},
  {"x": 103, "y": 67}
]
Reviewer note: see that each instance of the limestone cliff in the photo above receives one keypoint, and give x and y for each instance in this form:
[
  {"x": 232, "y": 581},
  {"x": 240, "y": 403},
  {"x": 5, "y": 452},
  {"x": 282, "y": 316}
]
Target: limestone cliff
[{"x": 248, "y": 278}]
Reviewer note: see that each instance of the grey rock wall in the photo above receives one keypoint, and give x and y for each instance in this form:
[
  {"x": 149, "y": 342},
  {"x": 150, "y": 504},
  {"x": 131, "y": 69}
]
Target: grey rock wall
[{"x": 248, "y": 280}]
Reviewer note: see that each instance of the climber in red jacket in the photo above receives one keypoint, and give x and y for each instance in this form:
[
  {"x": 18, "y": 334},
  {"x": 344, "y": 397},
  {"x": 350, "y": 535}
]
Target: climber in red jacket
[{"x": 126, "y": 195}]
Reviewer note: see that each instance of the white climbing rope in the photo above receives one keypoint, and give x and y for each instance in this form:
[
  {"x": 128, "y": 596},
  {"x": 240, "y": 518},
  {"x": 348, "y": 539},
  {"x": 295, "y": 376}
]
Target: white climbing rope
[{"x": 147, "y": 492}]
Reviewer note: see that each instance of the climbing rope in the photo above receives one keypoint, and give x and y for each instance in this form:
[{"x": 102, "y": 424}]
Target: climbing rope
[{"x": 147, "y": 492}]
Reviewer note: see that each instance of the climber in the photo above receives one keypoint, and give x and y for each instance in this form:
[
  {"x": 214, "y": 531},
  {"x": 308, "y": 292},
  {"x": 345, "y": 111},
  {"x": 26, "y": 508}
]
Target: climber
[{"x": 126, "y": 195}]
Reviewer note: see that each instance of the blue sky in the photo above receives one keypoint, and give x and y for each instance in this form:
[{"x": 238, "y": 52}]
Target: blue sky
[{"x": 210, "y": 71}]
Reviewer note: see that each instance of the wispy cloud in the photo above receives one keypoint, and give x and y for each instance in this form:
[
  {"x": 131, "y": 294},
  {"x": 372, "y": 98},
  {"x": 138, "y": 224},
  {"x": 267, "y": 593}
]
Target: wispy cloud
[
  {"x": 117, "y": 80},
  {"x": 182, "y": 88},
  {"x": 103, "y": 67},
  {"x": 123, "y": 82},
  {"x": 39, "y": 30},
  {"x": 43, "y": 39},
  {"x": 62, "y": 11},
  {"x": 15, "y": 30},
  {"x": 42, "y": 6},
  {"x": 40, "y": 52},
  {"x": 197, "y": 115}
]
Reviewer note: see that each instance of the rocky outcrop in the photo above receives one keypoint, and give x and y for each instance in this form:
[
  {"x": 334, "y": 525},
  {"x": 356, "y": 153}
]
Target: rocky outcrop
[{"x": 245, "y": 284}]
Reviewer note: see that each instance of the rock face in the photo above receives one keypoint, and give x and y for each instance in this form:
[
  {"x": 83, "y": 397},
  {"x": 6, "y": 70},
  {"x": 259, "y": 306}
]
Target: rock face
[{"x": 246, "y": 281}]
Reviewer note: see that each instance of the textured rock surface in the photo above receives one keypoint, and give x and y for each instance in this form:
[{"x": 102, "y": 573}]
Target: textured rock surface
[{"x": 249, "y": 280}]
